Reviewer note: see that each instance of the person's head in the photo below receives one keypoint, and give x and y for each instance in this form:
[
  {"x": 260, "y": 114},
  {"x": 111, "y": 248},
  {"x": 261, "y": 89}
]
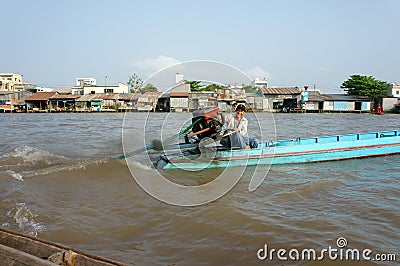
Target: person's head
[{"x": 240, "y": 109}]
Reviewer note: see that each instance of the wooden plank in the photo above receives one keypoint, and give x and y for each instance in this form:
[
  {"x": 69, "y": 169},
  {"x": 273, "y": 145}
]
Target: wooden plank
[
  {"x": 29, "y": 250},
  {"x": 11, "y": 256}
]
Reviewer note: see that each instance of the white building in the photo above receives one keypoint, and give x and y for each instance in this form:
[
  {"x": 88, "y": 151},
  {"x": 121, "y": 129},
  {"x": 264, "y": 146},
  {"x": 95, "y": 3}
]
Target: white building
[
  {"x": 43, "y": 89},
  {"x": 260, "y": 83},
  {"x": 11, "y": 82},
  {"x": 179, "y": 97},
  {"x": 393, "y": 90},
  {"x": 89, "y": 89},
  {"x": 80, "y": 82},
  {"x": 179, "y": 78}
]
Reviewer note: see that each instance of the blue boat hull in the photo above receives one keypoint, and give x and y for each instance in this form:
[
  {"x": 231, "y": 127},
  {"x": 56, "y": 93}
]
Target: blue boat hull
[{"x": 328, "y": 148}]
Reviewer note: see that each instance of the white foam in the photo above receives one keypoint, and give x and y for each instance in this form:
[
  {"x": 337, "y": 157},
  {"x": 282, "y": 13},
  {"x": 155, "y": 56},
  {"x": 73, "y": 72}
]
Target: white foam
[
  {"x": 72, "y": 166},
  {"x": 25, "y": 219},
  {"x": 16, "y": 175},
  {"x": 34, "y": 156},
  {"x": 136, "y": 164}
]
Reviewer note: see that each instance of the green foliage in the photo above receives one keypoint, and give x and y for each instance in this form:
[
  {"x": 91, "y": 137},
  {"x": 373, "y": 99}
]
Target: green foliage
[
  {"x": 135, "y": 83},
  {"x": 250, "y": 89},
  {"x": 364, "y": 86},
  {"x": 195, "y": 85},
  {"x": 213, "y": 87},
  {"x": 148, "y": 88}
]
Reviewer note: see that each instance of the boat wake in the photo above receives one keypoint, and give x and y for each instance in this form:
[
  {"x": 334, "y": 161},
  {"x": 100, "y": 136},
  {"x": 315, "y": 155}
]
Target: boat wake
[
  {"x": 26, "y": 161},
  {"x": 30, "y": 155},
  {"x": 15, "y": 175},
  {"x": 24, "y": 219}
]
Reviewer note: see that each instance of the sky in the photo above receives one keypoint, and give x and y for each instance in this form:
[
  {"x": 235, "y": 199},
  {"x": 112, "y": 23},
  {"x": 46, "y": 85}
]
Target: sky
[{"x": 289, "y": 42}]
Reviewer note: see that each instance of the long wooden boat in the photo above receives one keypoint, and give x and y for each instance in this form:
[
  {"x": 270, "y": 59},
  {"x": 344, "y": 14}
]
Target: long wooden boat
[
  {"x": 21, "y": 249},
  {"x": 299, "y": 150}
]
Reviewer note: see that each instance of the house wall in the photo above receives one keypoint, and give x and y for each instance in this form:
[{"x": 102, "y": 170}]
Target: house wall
[
  {"x": 181, "y": 88},
  {"x": 393, "y": 90},
  {"x": 340, "y": 106},
  {"x": 256, "y": 102},
  {"x": 266, "y": 105},
  {"x": 311, "y": 106},
  {"x": 389, "y": 103},
  {"x": 9, "y": 81},
  {"x": 147, "y": 102},
  {"x": 88, "y": 81},
  {"x": 365, "y": 106},
  {"x": 344, "y": 106},
  {"x": 328, "y": 106},
  {"x": 77, "y": 91},
  {"x": 121, "y": 88},
  {"x": 179, "y": 103}
]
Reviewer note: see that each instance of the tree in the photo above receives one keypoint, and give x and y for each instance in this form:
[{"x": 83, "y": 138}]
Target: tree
[
  {"x": 250, "y": 89},
  {"x": 194, "y": 85},
  {"x": 135, "y": 83},
  {"x": 365, "y": 86},
  {"x": 213, "y": 87},
  {"x": 148, "y": 88}
]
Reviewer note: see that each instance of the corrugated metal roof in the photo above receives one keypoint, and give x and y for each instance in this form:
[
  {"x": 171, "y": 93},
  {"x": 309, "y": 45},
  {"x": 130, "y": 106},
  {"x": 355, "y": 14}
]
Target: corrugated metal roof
[
  {"x": 41, "y": 96},
  {"x": 151, "y": 93},
  {"x": 101, "y": 96},
  {"x": 281, "y": 91},
  {"x": 346, "y": 97},
  {"x": 128, "y": 96},
  {"x": 84, "y": 98},
  {"x": 63, "y": 90},
  {"x": 97, "y": 97},
  {"x": 179, "y": 94},
  {"x": 65, "y": 96},
  {"x": 318, "y": 97}
]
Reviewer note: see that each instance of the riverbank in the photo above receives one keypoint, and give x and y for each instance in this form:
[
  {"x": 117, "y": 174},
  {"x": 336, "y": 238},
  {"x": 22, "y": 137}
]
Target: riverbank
[{"x": 297, "y": 111}]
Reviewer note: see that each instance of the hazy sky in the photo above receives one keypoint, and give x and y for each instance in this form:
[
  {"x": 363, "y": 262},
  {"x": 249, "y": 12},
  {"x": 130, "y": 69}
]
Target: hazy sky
[{"x": 291, "y": 43}]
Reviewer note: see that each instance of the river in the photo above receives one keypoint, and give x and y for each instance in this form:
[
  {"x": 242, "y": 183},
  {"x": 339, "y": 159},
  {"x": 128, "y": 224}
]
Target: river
[{"x": 60, "y": 181}]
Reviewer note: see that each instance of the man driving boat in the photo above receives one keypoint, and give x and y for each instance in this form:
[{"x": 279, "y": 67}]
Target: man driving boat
[{"x": 237, "y": 124}]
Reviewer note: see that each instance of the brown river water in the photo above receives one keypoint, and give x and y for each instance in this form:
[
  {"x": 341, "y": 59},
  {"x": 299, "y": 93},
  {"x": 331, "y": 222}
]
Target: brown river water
[{"x": 60, "y": 181}]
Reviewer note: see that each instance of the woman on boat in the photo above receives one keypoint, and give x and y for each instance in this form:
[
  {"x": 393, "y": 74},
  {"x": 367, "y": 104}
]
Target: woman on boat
[{"x": 238, "y": 124}]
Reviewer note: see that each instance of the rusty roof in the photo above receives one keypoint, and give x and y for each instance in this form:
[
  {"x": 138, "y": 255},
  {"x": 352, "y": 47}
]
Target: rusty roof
[
  {"x": 281, "y": 91},
  {"x": 128, "y": 96},
  {"x": 41, "y": 96},
  {"x": 65, "y": 96},
  {"x": 84, "y": 98},
  {"x": 151, "y": 93},
  {"x": 179, "y": 94},
  {"x": 97, "y": 97},
  {"x": 100, "y": 96}
]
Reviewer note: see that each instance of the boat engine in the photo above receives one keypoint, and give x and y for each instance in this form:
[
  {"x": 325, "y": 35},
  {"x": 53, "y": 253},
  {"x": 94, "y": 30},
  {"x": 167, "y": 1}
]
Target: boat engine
[{"x": 207, "y": 123}]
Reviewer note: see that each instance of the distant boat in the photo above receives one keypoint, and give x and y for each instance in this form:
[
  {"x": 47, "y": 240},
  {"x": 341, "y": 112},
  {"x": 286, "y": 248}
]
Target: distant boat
[
  {"x": 298, "y": 150},
  {"x": 21, "y": 249}
]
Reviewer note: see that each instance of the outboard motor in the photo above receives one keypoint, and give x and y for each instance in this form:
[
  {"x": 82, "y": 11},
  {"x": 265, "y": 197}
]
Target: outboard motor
[{"x": 207, "y": 123}]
